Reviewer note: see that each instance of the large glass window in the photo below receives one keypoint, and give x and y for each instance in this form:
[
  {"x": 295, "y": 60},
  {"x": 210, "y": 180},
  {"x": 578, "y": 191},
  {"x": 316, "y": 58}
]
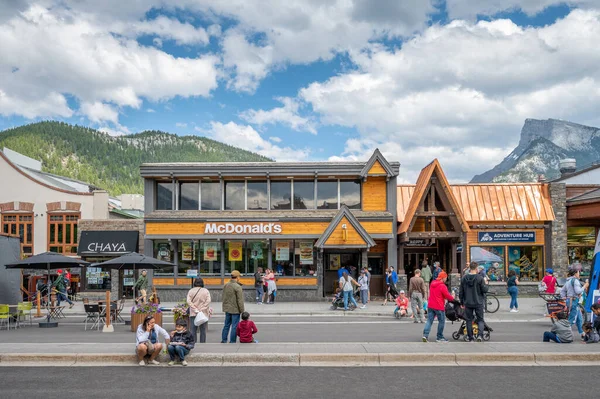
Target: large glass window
[
  {"x": 304, "y": 194},
  {"x": 234, "y": 256},
  {"x": 162, "y": 251},
  {"x": 187, "y": 256},
  {"x": 210, "y": 196},
  {"x": 492, "y": 258},
  {"x": 327, "y": 194},
  {"x": 235, "y": 195},
  {"x": 282, "y": 255},
  {"x": 527, "y": 262},
  {"x": 304, "y": 257},
  {"x": 164, "y": 196},
  {"x": 258, "y": 252},
  {"x": 210, "y": 257},
  {"x": 281, "y": 194},
  {"x": 581, "y": 242},
  {"x": 257, "y": 195},
  {"x": 188, "y": 196},
  {"x": 350, "y": 193},
  {"x": 62, "y": 230},
  {"x": 21, "y": 224},
  {"x": 97, "y": 278}
]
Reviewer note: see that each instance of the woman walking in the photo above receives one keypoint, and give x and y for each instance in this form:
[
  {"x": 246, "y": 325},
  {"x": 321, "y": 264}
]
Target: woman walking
[
  {"x": 198, "y": 299},
  {"x": 346, "y": 285},
  {"x": 512, "y": 283},
  {"x": 271, "y": 287}
]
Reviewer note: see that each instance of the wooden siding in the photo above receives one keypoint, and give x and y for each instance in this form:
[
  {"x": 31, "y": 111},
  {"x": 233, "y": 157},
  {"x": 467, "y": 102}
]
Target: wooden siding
[
  {"x": 247, "y": 281},
  {"x": 377, "y": 169},
  {"x": 374, "y": 194},
  {"x": 352, "y": 236},
  {"x": 380, "y": 247}
]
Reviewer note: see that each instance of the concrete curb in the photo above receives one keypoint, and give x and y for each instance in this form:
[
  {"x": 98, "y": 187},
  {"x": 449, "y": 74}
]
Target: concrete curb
[{"x": 312, "y": 359}]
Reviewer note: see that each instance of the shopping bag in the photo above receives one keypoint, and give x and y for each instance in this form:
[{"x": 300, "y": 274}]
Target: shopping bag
[{"x": 200, "y": 319}]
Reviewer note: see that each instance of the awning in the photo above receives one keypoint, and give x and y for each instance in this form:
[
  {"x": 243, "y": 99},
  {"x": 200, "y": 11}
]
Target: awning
[{"x": 107, "y": 243}]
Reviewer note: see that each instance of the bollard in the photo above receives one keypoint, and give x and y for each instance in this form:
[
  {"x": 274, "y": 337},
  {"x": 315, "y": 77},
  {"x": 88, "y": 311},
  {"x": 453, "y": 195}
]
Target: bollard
[{"x": 107, "y": 315}]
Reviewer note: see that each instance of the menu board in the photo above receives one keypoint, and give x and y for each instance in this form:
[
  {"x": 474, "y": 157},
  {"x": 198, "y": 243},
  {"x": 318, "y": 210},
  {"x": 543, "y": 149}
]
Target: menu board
[
  {"x": 211, "y": 251},
  {"x": 282, "y": 250},
  {"x": 306, "y": 252},
  {"x": 187, "y": 250}
]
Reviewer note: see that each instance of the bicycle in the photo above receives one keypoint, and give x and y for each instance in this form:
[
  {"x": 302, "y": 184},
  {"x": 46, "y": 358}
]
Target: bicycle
[{"x": 492, "y": 304}]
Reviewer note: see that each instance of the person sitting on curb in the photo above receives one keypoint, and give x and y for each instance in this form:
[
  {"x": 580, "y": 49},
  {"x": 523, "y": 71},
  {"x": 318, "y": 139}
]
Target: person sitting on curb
[
  {"x": 401, "y": 305},
  {"x": 182, "y": 342},
  {"x": 591, "y": 335},
  {"x": 438, "y": 294},
  {"x": 147, "y": 340},
  {"x": 596, "y": 310},
  {"x": 561, "y": 332},
  {"x": 246, "y": 330}
]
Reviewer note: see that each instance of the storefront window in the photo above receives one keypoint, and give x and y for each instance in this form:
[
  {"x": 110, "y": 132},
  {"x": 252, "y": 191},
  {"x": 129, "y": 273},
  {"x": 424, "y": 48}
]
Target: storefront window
[
  {"x": 210, "y": 258},
  {"x": 62, "y": 230},
  {"x": 327, "y": 194},
  {"x": 97, "y": 278},
  {"x": 350, "y": 194},
  {"x": 210, "y": 196},
  {"x": 257, "y": 195},
  {"x": 581, "y": 243},
  {"x": 282, "y": 257},
  {"x": 162, "y": 251},
  {"x": 527, "y": 262},
  {"x": 188, "y": 196},
  {"x": 235, "y": 196},
  {"x": 234, "y": 256},
  {"x": 492, "y": 258},
  {"x": 304, "y": 194},
  {"x": 258, "y": 252},
  {"x": 304, "y": 257},
  {"x": 188, "y": 256},
  {"x": 164, "y": 196},
  {"x": 23, "y": 223},
  {"x": 281, "y": 194}
]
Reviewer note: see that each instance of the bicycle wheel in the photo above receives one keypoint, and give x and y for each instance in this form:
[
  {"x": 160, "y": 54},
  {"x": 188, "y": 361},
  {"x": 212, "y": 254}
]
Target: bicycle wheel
[{"x": 492, "y": 304}]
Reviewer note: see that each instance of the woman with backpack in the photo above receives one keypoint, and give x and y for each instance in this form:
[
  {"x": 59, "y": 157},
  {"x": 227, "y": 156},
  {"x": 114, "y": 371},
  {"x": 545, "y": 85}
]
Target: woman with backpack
[{"x": 347, "y": 284}]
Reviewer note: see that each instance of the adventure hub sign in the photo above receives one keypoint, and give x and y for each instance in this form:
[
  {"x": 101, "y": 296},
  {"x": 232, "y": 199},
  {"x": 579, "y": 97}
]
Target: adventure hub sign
[
  {"x": 250, "y": 228},
  {"x": 506, "y": 236}
]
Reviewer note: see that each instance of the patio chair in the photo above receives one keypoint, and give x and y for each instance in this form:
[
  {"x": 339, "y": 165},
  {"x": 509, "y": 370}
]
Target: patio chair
[
  {"x": 121, "y": 305},
  {"x": 5, "y": 316},
  {"x": 92, "y": 315},
  {"x": 24, "y": 310}
]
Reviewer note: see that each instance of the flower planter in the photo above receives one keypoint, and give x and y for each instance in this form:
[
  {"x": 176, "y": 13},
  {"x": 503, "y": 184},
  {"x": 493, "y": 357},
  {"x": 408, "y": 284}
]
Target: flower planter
[{"x": 138, "y": 318}]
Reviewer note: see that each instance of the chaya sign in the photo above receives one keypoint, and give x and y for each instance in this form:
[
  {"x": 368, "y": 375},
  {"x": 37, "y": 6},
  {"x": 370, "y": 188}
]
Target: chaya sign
[
  {"x": 242, "y": 228},
  {"x": 506, "y": 236}
]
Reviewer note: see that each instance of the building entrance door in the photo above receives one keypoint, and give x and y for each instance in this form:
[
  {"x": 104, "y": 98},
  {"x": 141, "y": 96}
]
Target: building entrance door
[{"x": 333, "y": 260}]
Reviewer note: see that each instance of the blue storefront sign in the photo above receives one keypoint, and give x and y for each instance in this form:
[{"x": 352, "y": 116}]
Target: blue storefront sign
[{"x": 506, "y": 236}]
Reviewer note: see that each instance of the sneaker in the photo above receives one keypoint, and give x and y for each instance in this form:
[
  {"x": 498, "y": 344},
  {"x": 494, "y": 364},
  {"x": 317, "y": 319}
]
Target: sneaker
[
  {"x": 183, "y": 363},
  {"x": 516, "y": 310},
  {"x": 441, "y": 340},
  {"x": 479, "y": 339},
  {"x": 513, "y": 310},
  {"x": 416, "y": 321},
  {"x": 142, "y": 363},
  {"x": 259, "y": 303},
  {"x": 469, "y": 339},
  {"x": 425, "y": 339},
  {"x": 71, "y": 306},
  {"x": 155, "y": 362},
  {"x": 171, "y": 363},
  {"x": 363, "y": 306},
  {"x": 421, "y": 321}
]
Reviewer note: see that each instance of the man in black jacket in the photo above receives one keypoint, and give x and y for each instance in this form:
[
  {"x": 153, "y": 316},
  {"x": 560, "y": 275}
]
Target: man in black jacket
[{"x": 472, "y": 295}]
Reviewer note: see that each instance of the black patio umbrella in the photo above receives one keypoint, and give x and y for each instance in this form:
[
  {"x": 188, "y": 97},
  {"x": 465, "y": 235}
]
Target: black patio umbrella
[{"x": 47, "y": 261}]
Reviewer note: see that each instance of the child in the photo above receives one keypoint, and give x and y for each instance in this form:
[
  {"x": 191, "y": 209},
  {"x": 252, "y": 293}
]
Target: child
[
  {"x": 182, "y": 342},
  {"x": 401, "y": 305},
  {"x": 246, "y": 329},
  {"x": 363, "y": 280},
  {"x": 591, "y": 335},
  {"x": 561, "y": 332},
  {"x": 338, "y": 295}
]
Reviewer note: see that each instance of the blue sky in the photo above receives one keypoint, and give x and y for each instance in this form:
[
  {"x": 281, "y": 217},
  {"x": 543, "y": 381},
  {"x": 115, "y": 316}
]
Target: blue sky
[{"x": 308, "y": 79}]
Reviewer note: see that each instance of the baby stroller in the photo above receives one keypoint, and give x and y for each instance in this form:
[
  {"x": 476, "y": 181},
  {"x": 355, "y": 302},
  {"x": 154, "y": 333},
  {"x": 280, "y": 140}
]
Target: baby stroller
[
  {"x": 338, "y": 301},
  {"x": 455, "y": 312}
]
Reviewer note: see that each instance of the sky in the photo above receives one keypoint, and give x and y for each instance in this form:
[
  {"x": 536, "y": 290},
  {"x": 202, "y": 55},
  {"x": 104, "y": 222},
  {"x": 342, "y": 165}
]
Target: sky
[{"x": 308, "y": 80}]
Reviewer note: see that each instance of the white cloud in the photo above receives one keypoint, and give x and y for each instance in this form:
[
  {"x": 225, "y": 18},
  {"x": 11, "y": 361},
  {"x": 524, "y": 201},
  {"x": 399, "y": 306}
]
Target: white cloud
[
  {"x": 99, "y": 112},
  {"x": 181, "y": 124},
  {"x": 286, "y": 115},
  {"x": 118, "y": 130},
  {"x": 52, "y": 104},
  {"x": 165, "y": 28},
  {"x": 249, "y": 139},
  {"x": 472, "y": 8},
  {"x": 275, "y": 139},
  {"x": 150, "y": 110}
]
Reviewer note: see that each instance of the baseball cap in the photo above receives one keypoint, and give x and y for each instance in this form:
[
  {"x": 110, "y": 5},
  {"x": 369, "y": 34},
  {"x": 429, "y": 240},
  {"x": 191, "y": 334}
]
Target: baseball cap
[
  {"x": 550, "y": 271},
  {"x": 402, "y": 292},
  {"x": 59, "y": 271},
  {"x": 235, "y": 274}
]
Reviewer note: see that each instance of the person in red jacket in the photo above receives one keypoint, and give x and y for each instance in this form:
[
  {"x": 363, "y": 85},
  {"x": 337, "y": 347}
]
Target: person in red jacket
[
  {"x": 246, "y": 329},
  {"x": 438, "y": 294}
]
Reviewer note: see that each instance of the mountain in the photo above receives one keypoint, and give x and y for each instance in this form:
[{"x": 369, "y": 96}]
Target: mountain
[
  {"x": 543, "y": 144},
  {"x": 112, "y": 162}
]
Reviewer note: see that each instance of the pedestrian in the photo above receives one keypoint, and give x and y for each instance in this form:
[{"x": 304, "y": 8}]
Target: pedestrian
[
  {"x": 341, "y": 271},
  {"x": 596, "y": 311},
  {"x": 436, "y": 306},
  {"x": 363, "y": 280},
  {"x": 368, "y": 273},
  {"x": 391, "y": 279},
  {"x": 549, "y": 281},
  {"x": 147, "y": 343},
  {"x": 266, "y": 285},
  {"x": 61, "y": 289},
  {"x": 346, "y": 285},
  {"x": 182, "y": 342},
  {"x": 246, "y": 330},
  {"x": 560, "y": 332},
  {"x": 233, "y": 307},
  {"x": 142, "y": 285},
  {"x": 436, "y": 271},
  {"x": 258, "y": 285},
  {"x": 472, "y": 291},
  {"x": 271, "y": 287},
  {"x": 416, "y": 292},
  {"x": 198, "y": 299},
  {"x": 572, "y": 291},
  {"x": 512, "y": 286},
  {"x": 591, "y": 335},
  {"x": 401, "y": 305},
  {"x": 426, "y": 275}
]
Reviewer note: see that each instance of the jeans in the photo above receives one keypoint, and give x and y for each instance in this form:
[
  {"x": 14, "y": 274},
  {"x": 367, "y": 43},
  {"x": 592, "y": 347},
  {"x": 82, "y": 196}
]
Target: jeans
[
  {"x": 177, "y": 350},
  {"x": 364, "y": 296},
  {"x": 416, "y": 301},
  {"x": 550, "y": 336},
  {"x": 514, "y": 292},
  {"x": 478, "y": 311},
  {"x": 201, "y": 327},
  {"x": 575, "y": 316},
  {"x": 259, "y": 293},
  {"x": 231, "y": 322},
  {"x": 431, "y": 315},
  {"x": 62, "y": 296},
  {"x": 348, "y": 295}
]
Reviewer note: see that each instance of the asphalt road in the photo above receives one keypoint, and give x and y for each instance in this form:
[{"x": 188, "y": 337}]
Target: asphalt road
[
  {"x": 304, "y": 382},
  {"x": 288, "y": 329}
]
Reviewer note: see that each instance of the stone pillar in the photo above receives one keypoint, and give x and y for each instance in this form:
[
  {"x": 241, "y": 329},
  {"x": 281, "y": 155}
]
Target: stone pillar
[
  {"x": 320, "y": 272},
  {"x": 559, "y": 256},
  {"x": 114, "y": 285},
  {"x": 363, "y": 260}
]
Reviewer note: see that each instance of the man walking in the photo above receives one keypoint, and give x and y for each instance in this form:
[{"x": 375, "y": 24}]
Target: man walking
[
  {"x": 233, "y": 307},
  {"x": 472, "y": 295},
  {"x": 142, "y": 285},
  {"x": 258, "y": 285},
  {"x": 416, "y": 292},
  {"x": 436, "y": 270},
  {"x": 572, "y": 291},
  {"x": 426, "y": 275},
  {"x": 436, "y": 307},
  {"x": 391, "y": 280},
  {"x": 60, "y": 284}
]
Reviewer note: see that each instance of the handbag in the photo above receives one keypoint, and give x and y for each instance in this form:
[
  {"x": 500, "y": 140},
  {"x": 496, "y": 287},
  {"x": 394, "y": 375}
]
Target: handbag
[
  {"x": 150, "y": 347},
  {"x": 200, "y": 319}
]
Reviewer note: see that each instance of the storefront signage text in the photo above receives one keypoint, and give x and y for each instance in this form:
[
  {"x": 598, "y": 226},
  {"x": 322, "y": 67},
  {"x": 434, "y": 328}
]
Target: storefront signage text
[
  {"x": 106, "y": 247},
  {"x": 231, "y": 228},
  {"x": 506, "y": 236}
]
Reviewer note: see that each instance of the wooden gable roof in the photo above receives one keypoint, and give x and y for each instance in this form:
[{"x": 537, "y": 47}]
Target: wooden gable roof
[{"x": 360, "y": 238}]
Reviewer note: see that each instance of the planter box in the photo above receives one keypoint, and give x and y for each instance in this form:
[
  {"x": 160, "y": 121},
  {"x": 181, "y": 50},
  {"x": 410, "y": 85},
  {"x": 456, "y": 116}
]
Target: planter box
[{"x": 138, "y": 318}]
